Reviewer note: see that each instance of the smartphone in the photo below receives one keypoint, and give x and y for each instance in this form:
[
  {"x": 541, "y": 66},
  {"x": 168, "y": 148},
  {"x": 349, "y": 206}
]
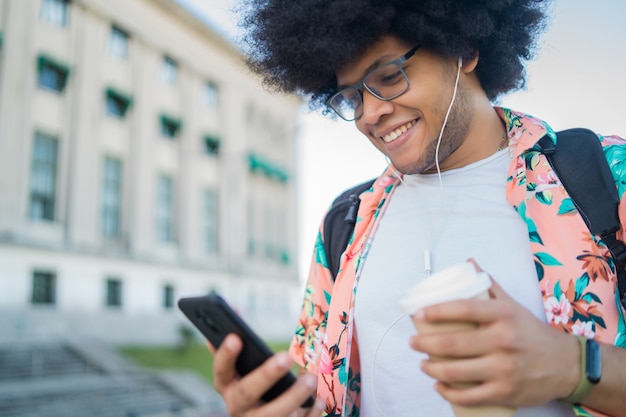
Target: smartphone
[{"x": 212, "y": 315}]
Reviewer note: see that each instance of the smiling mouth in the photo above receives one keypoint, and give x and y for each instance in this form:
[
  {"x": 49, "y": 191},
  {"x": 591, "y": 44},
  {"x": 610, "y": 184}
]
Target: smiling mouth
[{"x": 393, "y": 135}]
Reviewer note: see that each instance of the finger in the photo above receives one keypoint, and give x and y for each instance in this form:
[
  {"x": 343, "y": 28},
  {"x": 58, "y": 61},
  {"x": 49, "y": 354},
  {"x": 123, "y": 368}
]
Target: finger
[
  {"x": 493, "y": 393},
  {"x": 496, "y": 291},
  {"x": 249, "y": 389},
  {"x": 476, "y": 266},
  {"x": 224, "y": 362},
  {"x": 472, "y": 310},
  {"x": 210, "y": 347},
  {"x": 459, "y": 344},
  {"x": 468, "y": 371},
  {"x": 318, "y": 408},
  {"x": 293, "y": 398}
]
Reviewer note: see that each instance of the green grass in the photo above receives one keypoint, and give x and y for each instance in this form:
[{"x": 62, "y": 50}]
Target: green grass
[{"x": 195, "y": 357}]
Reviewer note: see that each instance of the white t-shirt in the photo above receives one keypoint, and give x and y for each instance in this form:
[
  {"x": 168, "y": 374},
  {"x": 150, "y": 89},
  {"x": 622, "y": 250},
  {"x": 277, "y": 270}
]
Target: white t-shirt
[{"x": 466, "y": 217}]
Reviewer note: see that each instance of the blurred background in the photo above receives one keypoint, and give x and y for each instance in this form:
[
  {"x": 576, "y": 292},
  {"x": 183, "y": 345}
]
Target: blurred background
[{"x": 141, "y": 162}]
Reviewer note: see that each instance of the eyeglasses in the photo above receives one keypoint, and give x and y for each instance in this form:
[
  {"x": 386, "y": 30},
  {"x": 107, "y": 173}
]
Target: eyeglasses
[{"x": 385, "y": 83}]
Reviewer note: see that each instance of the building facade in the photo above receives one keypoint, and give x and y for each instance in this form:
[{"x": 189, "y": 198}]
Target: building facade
[{"x": 140, "y": 162}]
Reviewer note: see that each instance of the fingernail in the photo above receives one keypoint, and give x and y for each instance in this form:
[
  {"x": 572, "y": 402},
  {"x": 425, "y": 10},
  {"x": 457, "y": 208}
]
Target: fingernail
[
  {"x": 310, "y": 380},
  {"x": 419, "y": 314},
  {"x": 229, "y": 342},
  {"x": 283, "y": 360}
]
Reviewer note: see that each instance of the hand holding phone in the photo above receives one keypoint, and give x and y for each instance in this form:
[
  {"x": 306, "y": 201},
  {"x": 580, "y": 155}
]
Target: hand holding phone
[{"x": 216, "y": 319}]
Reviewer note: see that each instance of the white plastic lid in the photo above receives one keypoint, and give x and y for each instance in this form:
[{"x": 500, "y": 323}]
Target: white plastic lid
[{"x": 457, "y": 282}]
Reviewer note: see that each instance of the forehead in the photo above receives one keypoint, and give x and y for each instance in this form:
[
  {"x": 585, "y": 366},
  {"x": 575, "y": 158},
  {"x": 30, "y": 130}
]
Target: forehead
[{"x": 381, "y": 52}]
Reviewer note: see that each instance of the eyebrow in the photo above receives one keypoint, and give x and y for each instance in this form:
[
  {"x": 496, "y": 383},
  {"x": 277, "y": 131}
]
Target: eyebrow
[{"x": 385, "y": 59}]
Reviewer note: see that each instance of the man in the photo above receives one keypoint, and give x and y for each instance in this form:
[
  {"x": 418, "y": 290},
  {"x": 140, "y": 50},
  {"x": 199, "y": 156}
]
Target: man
[{"x": 466, "y": 180}]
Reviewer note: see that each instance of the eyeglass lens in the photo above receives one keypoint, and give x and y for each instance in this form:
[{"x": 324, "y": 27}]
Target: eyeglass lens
[{"x": 385, "y": 83}]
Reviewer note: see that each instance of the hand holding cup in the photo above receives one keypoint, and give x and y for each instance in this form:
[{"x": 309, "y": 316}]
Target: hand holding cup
[{"x": 457, "y": 282}]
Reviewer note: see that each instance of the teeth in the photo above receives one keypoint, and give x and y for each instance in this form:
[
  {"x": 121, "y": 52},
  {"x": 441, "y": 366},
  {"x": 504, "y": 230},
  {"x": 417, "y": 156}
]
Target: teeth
[{"x": 391, "y": 136}]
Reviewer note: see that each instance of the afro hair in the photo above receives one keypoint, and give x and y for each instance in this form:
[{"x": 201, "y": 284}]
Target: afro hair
[{"x": 297, "y": 45}]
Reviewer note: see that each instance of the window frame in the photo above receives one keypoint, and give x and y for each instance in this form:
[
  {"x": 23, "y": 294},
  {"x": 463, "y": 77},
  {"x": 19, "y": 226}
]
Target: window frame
[
  {"x": 118, "y": 43},
  {"x": 165, "y": 210},
  {"x": 210, "y": 210},
  {"x": 111, "y": 197},
  {"x": 169, "y": 70},
  {"x": 116, "y": 103},
  {"x": 52, "y": 75},
  {"x": 169, "y": 127},
  {"x": 168, "y": 297},
  {"x": 55, "y": 12},
  {"x": 50, "y": 288},
  {"x": 211, "y": 94},
  {"x": 211, "y": 145},
  {"x": 113, "y": 292},
  {"x": 43, "y": 180}
]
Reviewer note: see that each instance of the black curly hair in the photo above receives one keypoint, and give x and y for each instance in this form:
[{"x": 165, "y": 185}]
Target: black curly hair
[{"x": 297, "y": 45}]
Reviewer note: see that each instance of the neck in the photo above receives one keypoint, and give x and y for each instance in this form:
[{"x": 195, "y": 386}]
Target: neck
[{"x": 485, "y": 135}]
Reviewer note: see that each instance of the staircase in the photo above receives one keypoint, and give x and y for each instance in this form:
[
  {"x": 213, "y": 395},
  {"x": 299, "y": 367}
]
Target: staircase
[{"x": 74, "y": 378}]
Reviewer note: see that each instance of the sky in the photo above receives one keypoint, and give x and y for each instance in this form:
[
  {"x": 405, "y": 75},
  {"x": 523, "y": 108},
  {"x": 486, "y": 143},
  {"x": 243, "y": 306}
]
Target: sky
[{"x": 578, "y": 79}]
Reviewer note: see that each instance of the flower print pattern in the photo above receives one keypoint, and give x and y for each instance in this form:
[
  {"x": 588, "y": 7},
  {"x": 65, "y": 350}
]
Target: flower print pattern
[
  {"x": 558, "y": 311},
  {"x": 576, "y": 273},
  {"x": 583, "y": 328},
  {"x": 597, "y": 261}
]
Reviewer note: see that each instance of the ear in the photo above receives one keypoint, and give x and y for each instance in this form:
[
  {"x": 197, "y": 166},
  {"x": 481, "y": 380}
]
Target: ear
[{"x": 470, "y": 62}]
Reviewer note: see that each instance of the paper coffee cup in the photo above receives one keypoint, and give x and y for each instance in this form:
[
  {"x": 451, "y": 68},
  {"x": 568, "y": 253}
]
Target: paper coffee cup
[{"x": 458, "y": 282}]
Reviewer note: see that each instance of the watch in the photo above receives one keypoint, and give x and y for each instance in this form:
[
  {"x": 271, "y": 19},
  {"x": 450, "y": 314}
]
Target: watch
[{"x": 590, "y": 369}]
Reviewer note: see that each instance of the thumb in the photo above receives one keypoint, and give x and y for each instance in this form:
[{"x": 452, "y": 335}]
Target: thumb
[{"x": 496, "y": 291}]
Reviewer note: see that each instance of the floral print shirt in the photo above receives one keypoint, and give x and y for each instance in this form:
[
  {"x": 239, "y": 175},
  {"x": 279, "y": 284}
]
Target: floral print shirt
[{"x": 576, "y": 272}]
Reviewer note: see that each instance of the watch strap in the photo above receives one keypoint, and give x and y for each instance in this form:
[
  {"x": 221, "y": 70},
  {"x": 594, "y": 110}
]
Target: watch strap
[{"x": 584, "y": 385}]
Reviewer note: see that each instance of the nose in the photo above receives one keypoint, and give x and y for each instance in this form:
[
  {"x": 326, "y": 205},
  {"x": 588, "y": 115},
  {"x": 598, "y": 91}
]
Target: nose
[{"x": 374, "y": 108}]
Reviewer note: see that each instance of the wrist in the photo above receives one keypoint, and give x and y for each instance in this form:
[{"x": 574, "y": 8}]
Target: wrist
[
  {"x": 571, "y": 367},
  {"x": 589, "y": 370}
]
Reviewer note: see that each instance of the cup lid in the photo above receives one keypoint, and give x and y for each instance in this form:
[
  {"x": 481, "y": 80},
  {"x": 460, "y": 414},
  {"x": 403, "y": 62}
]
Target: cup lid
[{"x": 457, "y": 282}]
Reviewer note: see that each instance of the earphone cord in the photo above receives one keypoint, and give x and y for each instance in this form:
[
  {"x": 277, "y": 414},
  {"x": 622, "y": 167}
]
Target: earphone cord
[
  {"x": 427, "y": 255},
  {"x": 380, "y": 410},
  {"x": 427, "y": 258}
]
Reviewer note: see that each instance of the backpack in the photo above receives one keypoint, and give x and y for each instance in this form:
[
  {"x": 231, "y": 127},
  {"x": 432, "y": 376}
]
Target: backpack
[{"x": 581, "y": 167}]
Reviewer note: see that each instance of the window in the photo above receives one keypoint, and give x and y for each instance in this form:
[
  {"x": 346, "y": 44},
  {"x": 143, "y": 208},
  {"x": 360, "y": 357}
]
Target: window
[
  {"x": 211, "y": 238},
  {"x": 268, "y": 233},
  {"x": 44, "y": 287},
  {"x": 165, "y": 209},
  {"x": 168, "y": 296},
  {"x": 113, "y": 297},
  {"x": 117, "y": 103},
  {"x": 282, "y": 238},
  {"x": 51, "y": 74},
  {"x": 252, "y": 238},
  {"x": 211, "y": 94},
  {"x": 43, "y": 178},
  {"x": 211, "y": 145},
  {"x": 118, "y": 43},
  {"x": 170, "y": 127},
  {"x": 169, "y": 68},
  {"x": 55, "y": 12},
  {"x": 111, "y": 197}
]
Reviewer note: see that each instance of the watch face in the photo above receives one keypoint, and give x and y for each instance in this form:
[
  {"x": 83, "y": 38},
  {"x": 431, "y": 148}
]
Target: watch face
[{"x": 594, "y": 361}]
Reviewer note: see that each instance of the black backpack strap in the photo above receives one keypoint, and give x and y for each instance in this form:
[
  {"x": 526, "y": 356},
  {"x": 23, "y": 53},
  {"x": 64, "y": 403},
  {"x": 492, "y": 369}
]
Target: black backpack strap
[
  {"x": 339, "y": 224},
  {"x": 579, "y": 162}
]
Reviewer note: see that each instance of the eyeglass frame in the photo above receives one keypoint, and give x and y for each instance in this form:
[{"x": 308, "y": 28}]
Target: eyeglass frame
[{"x": 361, "y": 84}]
